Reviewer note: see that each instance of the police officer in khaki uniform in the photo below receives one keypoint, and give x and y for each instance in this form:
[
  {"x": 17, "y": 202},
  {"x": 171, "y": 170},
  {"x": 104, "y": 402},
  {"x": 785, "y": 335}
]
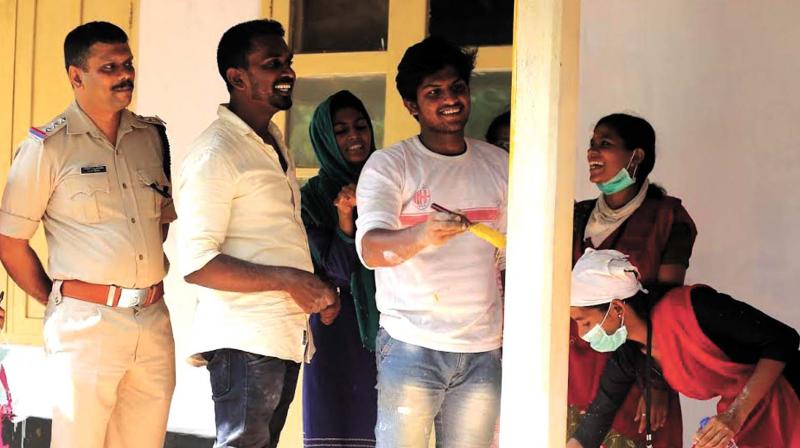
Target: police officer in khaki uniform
[{"x": 95, "y": 177}]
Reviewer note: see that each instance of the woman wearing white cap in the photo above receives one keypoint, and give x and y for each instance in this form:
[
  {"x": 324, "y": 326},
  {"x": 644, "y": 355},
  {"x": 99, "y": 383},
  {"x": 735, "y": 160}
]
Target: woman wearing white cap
[
  {"x": 704, "y": 343},
  {"x": 638, "y": 218}
]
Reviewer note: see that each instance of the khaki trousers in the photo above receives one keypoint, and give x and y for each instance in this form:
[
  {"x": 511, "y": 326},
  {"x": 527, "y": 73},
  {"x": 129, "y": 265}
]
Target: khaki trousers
[{"x": 112, "y": 372}]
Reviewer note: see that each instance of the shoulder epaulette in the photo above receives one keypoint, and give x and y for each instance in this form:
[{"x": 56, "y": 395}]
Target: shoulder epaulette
[
  {"x": 161, "y": 127},
  {"x": 155, "y": 120},
  {"x": 49, "y": 129}
]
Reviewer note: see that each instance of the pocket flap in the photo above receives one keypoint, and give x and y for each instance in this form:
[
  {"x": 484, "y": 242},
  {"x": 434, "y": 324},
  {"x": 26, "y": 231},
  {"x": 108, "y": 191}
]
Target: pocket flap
[
  {"x": 87, "y": 184},
  {"x": 149, "y": 176}
]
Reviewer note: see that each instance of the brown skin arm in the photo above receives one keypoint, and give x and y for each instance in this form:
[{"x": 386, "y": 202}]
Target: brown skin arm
[
  {"x": 671, "y": 274},
  {"x": 226, "y": 273},
  {"x": 659, "y": 408},
  {"x": 722, "y": 427},
  {"x": 386, "y": 248},
  {"x": 25, "y": 268}
]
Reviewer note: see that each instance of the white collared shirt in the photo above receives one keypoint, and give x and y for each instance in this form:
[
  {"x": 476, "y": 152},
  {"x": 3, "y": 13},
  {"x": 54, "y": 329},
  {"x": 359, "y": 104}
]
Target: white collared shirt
[{"x": 234, "y": 198}]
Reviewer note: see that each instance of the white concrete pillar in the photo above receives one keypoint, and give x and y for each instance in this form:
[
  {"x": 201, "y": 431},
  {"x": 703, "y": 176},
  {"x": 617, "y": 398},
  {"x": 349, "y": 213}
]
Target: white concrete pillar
[{"x": 544, "y": 114}]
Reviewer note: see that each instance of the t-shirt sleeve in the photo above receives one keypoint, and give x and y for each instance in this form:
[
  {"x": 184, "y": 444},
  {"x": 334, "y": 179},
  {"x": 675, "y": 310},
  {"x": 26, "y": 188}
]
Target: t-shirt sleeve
[
  {"x": 744, "y": 333},
  {"x": 683, "y": 233},
  {"x": 27, "y": 191},
  {"x": 379, "y": 196}
]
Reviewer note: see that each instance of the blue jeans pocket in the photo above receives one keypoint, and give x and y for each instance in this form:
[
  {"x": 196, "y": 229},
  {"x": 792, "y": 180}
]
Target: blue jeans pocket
[
  {"x": 219, "y": 368},
  {"x": 383, "y": 344}
]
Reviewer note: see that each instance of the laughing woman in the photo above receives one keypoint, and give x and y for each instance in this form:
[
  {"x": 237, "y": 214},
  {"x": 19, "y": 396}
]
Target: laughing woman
[
  {"x": 635, "y": 217},
  {"x": 702, "y": 343},
  {"x": 339, "y": 396}
]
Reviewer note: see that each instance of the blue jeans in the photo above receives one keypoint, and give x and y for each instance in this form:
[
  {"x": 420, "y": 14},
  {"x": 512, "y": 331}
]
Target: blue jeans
[
  {"x": 418, "y": 388},
  {"x": 251, "y": 396}
]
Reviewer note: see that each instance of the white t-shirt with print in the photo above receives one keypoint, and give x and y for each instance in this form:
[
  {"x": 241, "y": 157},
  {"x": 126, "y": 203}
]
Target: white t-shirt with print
[{"x": 444, "y": 298}]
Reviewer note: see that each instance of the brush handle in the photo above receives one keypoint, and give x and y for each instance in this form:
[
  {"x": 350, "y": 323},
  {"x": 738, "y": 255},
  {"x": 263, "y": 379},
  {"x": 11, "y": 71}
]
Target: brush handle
[{"x": 489, "y": 234}]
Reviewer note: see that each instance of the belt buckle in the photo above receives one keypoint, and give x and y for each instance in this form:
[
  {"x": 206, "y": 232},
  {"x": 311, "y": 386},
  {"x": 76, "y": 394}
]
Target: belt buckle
[{"x": 129, "y": 298}]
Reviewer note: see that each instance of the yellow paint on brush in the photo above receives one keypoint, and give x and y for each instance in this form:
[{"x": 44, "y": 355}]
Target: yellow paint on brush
[{"x": 489, "y": 234}]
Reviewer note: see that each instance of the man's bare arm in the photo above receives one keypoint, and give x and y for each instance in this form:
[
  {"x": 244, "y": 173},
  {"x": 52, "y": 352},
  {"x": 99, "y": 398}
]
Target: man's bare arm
[
  {"x": 226, "y": 273},
  {"x": 25, "y": 268}
]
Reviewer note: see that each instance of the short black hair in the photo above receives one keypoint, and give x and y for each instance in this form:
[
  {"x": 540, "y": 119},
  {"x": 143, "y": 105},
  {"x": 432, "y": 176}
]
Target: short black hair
[
  {"x": 503, "y": 119},
  {"x": 79, "y": 40},
  {"x": 635, "y": 132},
  {"x": 428, "y": 57},
  {"x": 237, "y": 42}
]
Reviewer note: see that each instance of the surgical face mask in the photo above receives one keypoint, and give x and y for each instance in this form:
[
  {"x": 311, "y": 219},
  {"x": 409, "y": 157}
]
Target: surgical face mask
[
  {"x": 620, "y": 181},
  {"x": 603, "y": 342}
]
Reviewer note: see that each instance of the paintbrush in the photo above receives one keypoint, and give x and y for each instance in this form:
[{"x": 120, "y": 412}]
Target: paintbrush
[{"x": 478, "y": 229}]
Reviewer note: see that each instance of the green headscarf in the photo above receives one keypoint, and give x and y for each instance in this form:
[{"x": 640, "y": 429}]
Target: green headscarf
[{"x": 319, "y": 193}]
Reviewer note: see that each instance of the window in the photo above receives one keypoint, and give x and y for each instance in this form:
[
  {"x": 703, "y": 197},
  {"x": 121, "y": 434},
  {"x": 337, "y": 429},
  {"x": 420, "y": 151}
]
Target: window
[
  {"x": 472, "y": 22},
  {"x": 321, "y": 26},
  {"x": 491, "y": 96},
  {"x": 336, "y": 61}
]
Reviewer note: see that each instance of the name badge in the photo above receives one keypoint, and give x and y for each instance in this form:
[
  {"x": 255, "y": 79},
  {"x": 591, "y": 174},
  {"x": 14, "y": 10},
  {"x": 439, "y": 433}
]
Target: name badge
[{"x": 93, "y": 169}]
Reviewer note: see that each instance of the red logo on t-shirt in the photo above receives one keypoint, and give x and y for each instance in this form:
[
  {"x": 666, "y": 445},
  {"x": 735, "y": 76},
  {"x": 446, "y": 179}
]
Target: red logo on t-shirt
[{"x": 422, "y": 198}]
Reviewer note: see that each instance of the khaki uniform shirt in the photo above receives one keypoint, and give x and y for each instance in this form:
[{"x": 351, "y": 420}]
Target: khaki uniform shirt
[
  {"x": 234, "y": 198},
  {"x": 101, "y": 219}
]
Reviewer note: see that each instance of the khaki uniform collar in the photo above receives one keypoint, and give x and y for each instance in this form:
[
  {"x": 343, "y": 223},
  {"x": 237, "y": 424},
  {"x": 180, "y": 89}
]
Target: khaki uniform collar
[{"x": 80, "y": 123}]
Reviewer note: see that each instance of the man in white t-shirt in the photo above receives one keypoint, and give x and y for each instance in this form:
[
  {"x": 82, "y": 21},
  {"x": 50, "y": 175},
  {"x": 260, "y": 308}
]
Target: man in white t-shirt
[{"x": 438, "y": 350}]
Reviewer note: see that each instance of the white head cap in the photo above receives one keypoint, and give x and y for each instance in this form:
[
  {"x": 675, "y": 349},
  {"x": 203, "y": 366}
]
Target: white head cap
[{"x": 601, "y": 276}]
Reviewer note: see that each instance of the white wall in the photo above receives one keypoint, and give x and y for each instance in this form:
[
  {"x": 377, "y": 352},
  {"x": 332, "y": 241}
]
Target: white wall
[
  {"x": 177, "y": 79},
  {"x": 717, "y": 79}
]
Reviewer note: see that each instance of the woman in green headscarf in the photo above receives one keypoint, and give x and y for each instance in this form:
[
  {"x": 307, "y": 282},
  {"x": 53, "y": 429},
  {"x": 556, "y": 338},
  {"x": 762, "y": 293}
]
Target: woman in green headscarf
[{"x": 339, "y": 396}]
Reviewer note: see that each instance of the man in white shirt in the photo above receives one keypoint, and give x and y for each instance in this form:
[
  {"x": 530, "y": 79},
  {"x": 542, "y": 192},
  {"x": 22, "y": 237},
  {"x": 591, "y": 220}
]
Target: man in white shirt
[
  {"x": 438, "y": 350},
  {"x": 241, "y": 240}
]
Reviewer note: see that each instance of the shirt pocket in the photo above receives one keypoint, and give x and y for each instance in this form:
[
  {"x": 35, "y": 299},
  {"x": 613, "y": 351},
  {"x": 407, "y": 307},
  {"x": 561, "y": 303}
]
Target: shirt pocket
[
  {"x": 87, "y": 193},
  {"x": 150, "y": 200}
]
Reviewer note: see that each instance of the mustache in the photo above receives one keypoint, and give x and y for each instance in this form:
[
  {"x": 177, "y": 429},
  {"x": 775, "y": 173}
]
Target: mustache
[{"x": 123, "y": 85}]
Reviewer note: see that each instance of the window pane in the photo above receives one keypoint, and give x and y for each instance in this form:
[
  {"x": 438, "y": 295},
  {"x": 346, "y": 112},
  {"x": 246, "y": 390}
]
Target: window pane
[
  {"x": 321, "y": 26},
  {"x": 472, "y": 22},
  {"x": 309, "y": 92},
  {"x": 491, "y": 96}
]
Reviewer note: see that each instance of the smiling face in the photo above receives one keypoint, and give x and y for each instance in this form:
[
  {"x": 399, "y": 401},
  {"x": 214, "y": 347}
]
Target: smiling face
[
  {"x": 269, "y": 78},
  {"x": 443, "y": 102},
  {"x": 353, "y": 135},
  {"x": 607, "y": 155},
  {"x": 105, "y": 83}
]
